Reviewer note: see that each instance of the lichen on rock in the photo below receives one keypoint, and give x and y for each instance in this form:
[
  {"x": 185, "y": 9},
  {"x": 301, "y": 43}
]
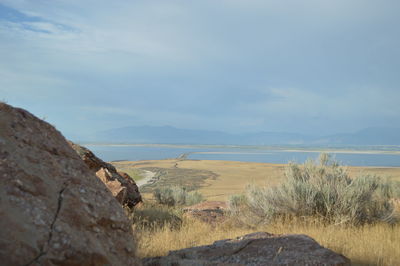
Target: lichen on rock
[{"x": 53, "y": 208}]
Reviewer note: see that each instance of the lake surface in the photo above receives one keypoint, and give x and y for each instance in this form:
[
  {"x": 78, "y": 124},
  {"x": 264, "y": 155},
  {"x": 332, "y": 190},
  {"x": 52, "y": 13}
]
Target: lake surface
[{"x": 144, "y": 152}]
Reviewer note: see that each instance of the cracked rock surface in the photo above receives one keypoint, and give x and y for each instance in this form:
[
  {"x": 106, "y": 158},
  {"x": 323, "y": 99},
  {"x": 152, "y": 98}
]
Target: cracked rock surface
[
  {"x": 254, "y": 249},
  {"x": 53, "y": 209}
]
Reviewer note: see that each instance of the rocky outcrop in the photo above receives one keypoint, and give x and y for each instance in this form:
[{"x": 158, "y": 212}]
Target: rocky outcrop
[
  {"x": 53, "y": 209},
  {"x": 121, "y": 185},
  {"x": 210, "y": 212},
  {"x": 254, "y": 249}
]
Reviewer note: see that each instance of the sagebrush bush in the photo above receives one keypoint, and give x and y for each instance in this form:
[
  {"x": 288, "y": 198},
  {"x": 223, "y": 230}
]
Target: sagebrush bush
[
  {"x": 173, "y": 196},
  {"x": 323, "y": 189},
  {"x": 395, "y": 189},
  {"x": 194, "y": 197},
  {"x": 235, "y": 203}
]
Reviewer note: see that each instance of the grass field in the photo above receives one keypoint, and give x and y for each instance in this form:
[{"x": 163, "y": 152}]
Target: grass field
[
  {"x": 134, "y": 173},
  {"x": 368, "y": 245},
  {"x": 377, "y": 244},
  {"x": 227, "y": 178}
]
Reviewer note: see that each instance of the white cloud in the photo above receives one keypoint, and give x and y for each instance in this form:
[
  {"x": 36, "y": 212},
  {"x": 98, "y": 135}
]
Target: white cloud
[
  {"x": 350, "y": 104},
  {"x": 98, "y": 109},
  {"x": 156, "y": 30},
  {"x": 174, "y": 49}
]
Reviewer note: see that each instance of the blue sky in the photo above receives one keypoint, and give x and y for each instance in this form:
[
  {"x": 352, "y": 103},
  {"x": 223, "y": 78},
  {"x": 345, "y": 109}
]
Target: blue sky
[{"x": 307, "y": 66}]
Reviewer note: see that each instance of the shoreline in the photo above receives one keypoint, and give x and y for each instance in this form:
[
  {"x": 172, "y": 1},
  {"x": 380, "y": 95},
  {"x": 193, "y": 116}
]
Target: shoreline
[
  {"x": 262, "y": 149},
  {"x": 177, "y": 160}
]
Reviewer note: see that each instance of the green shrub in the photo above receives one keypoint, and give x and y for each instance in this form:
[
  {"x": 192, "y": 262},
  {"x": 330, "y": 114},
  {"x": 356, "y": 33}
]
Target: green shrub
[
  {"x": 236, "y": 202},
  {"x": 193, "y": 197},
  {"x": 324, "y": 190},
  {"x": 173, "y": 196},
  {"x": 395, "y": 189}
]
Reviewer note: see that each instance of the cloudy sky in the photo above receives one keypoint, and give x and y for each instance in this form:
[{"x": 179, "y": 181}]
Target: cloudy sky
[{"x": 307, "y": 66}]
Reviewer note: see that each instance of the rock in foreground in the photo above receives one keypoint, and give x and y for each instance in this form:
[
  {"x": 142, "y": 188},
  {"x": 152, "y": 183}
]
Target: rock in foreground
[
  {"x": 254, "y": 249},
  {"x": 53, "y": 209},
  {"x": 121, "y": 185}
]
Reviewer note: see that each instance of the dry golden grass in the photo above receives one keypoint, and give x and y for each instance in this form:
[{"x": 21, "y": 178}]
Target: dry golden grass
[
  {"x": 192, "y": 233},
  {"x": 393, "y": 173},
  {"x": 368, "y": 245},
  {"x": 149, "y": 163},
  {"x": 234, "y": 176}
]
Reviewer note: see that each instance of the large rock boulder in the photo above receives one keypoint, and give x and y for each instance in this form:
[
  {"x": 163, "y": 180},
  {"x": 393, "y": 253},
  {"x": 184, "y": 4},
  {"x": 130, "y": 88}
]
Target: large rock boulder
[
  {"x": 121, "y": 185},
  {"x": 254, "y": 249},
  {"x": 53, "y": 209}
]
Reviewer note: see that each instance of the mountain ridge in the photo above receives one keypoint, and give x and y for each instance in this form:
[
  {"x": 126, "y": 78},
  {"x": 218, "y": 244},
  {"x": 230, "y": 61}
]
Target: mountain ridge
[{"x": 173, "y": 135}]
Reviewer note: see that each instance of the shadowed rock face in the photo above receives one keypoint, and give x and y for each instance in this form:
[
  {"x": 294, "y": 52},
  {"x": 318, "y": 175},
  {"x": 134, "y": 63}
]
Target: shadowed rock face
[
  {"x": 53, "y": 209},
  {"x": 121, "y": 185},
  {"x": 254, "y": 249}
]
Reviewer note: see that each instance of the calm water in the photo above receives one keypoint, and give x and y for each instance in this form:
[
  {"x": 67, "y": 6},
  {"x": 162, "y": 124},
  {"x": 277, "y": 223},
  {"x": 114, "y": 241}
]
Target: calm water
[{"x": 136, "y": 153}]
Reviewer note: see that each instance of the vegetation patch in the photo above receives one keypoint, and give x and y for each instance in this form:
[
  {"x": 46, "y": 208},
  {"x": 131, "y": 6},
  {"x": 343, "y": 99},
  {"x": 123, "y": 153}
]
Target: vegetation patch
[
  {"x": 174, "y": 196},
  {"x": 134, "y": 173},
  {"x": 375, "y": 244},
  {"x": 190, "y": 179},
  {"x": 320, "y": 189},
  {"x": 150, "y": 217},
  {"x": 311, "y": 200}
]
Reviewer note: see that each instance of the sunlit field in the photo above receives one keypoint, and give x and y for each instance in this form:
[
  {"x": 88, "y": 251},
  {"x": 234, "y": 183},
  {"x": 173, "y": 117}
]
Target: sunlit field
[
  {"x": 376, "y": 244},
  {"x": 368, "y": 245},
  {"x": 232, "y": 177}
]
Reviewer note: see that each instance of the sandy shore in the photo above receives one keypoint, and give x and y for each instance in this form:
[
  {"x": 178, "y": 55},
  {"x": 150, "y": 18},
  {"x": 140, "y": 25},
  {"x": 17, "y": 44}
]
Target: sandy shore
[{"x": 147, "y": 176}]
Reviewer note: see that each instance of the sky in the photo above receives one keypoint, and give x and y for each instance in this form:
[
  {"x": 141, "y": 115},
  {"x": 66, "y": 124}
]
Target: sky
[{"x": 306, "y": 66}]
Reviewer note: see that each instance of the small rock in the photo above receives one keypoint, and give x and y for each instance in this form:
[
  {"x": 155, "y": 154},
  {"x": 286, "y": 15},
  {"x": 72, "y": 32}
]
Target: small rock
[{"x": 211, "y": 212}]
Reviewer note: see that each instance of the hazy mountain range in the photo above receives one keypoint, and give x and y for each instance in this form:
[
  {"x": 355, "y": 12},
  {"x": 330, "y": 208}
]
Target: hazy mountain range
[{"x": 172, "y": 135}]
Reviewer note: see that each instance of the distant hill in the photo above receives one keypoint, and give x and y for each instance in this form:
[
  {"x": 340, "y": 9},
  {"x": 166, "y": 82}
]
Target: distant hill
[
  {"x": 367, "y": 136},
  {"x": 172, "y": 135}
]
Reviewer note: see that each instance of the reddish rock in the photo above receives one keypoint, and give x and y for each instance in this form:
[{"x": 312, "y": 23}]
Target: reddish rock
[
  {"x": 211, "y": 212},
  {"x": 121, "y": 185},
  {"x": 118, "y": 191},
  {"x": 132, "y": 190},
  {"x": 53, "y": 209},
  {"x": 208, "y": 205},
  {"x": 254, "y": 249}
]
